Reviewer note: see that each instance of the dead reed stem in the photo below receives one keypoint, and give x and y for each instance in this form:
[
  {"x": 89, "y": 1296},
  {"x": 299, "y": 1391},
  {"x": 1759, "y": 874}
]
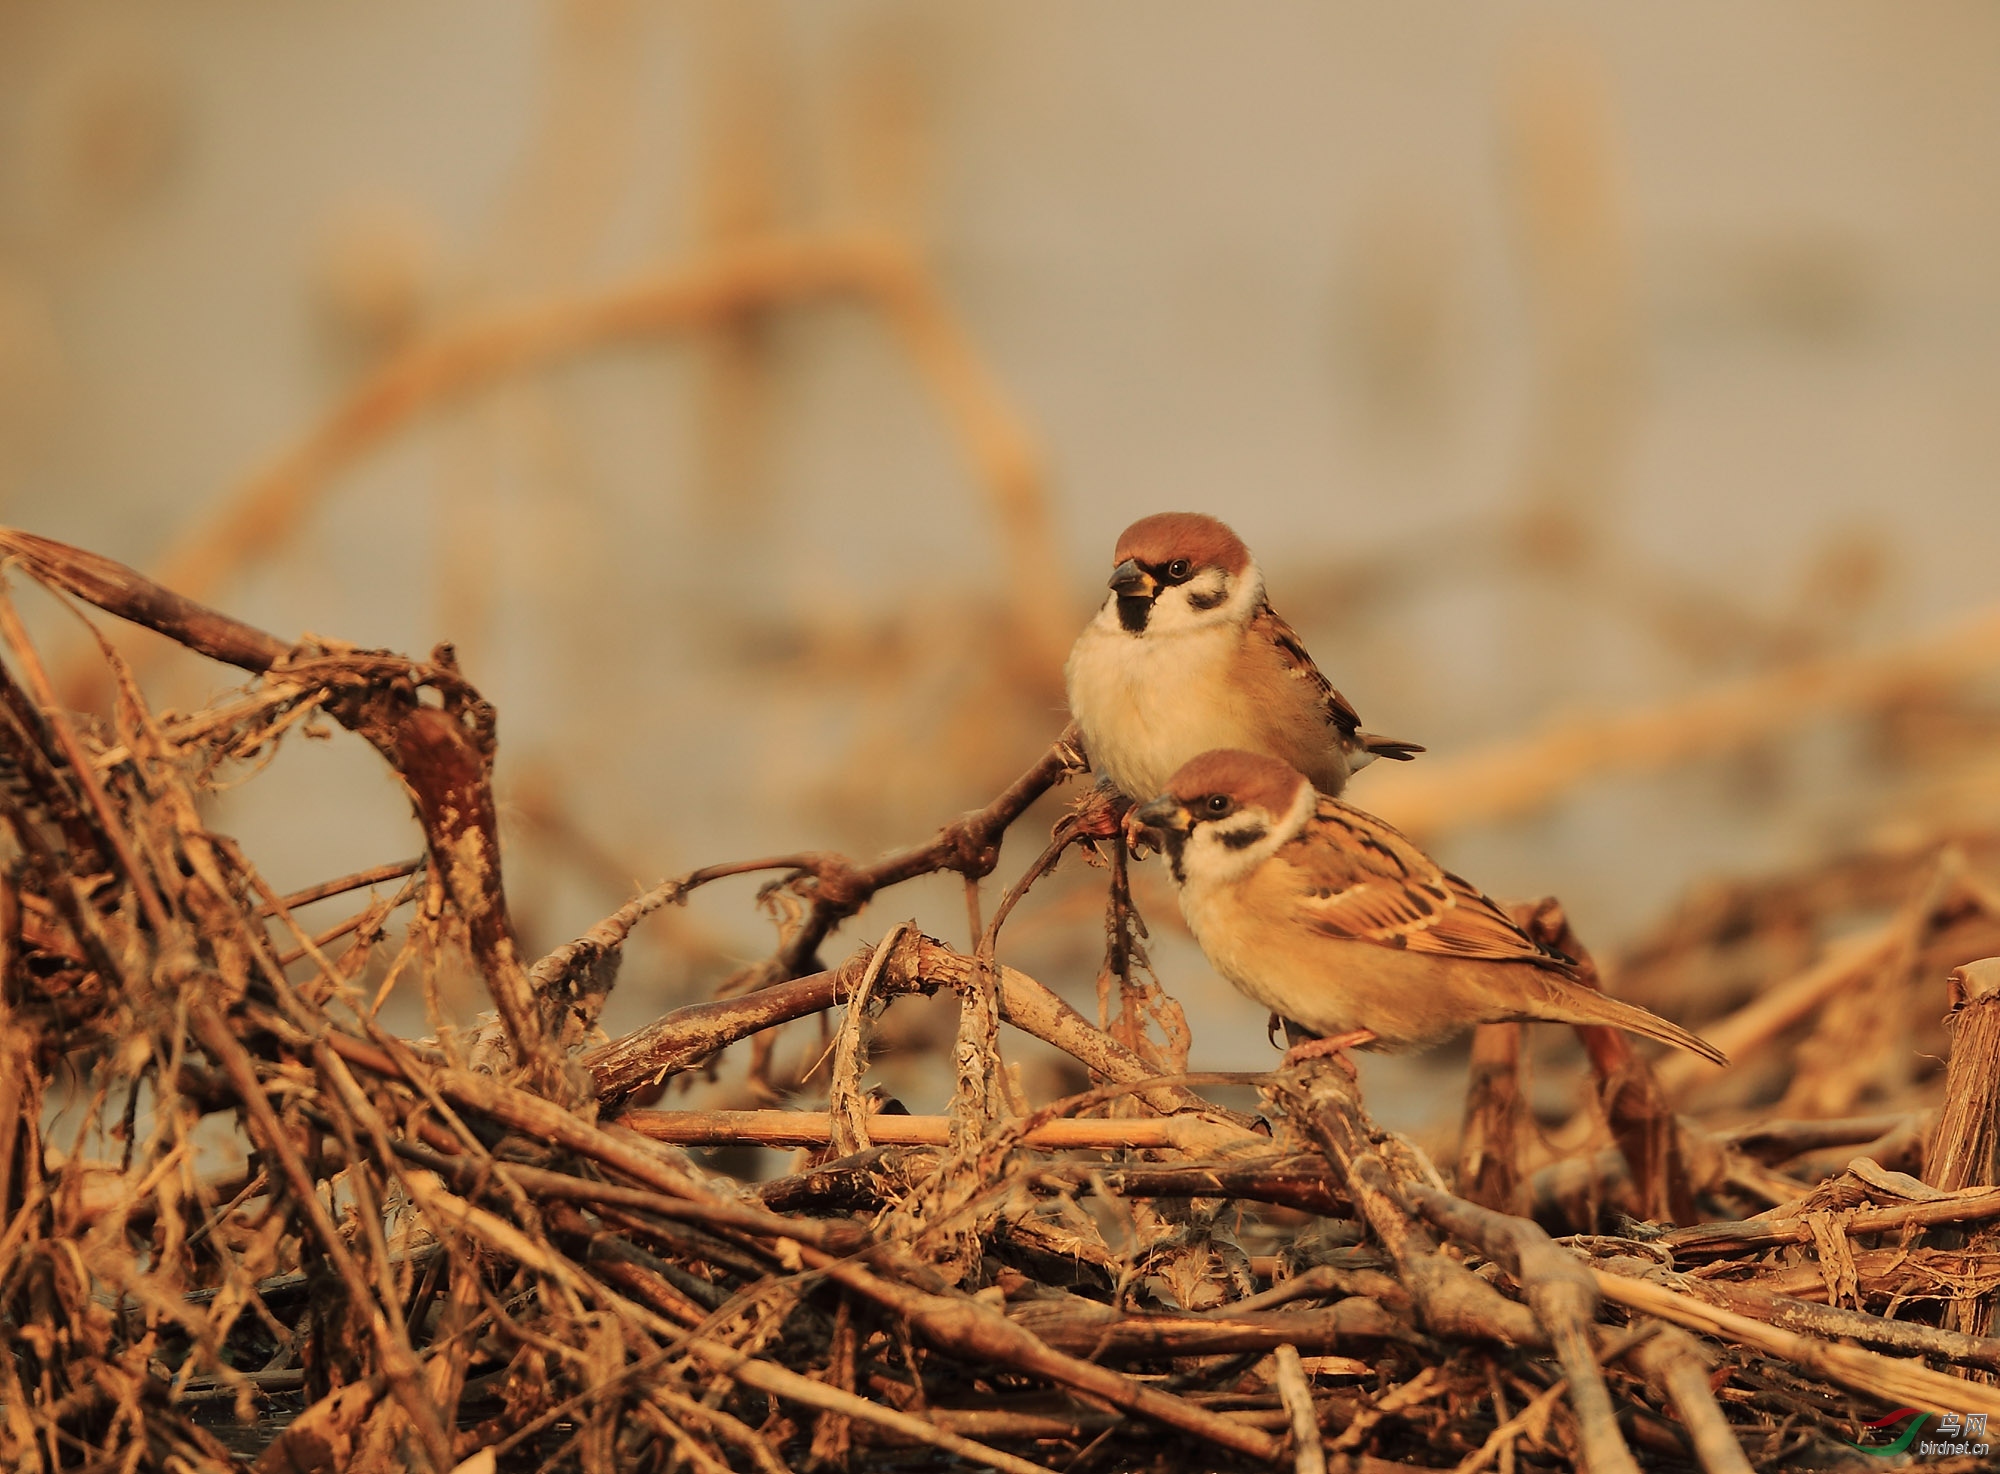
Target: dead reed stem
[
  {"x": 1511, "y": 779},
  {"x": 1963, "y": 1147}
]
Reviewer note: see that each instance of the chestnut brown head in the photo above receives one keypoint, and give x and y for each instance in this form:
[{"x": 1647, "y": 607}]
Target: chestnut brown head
[{"x": 1181, "y": 570}]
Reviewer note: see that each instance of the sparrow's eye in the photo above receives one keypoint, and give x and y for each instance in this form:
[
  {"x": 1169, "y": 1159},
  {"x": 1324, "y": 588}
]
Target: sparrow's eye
[
  {"x": 1180, "y": 568},
  {"x": 1218, "y": 803}
]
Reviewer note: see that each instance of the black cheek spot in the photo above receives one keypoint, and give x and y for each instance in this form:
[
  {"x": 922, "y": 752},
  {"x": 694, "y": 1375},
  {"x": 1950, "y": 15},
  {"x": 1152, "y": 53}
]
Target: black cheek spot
[
  {"x": 1133, "y": 612},
  {"x": 1241, "y": 839},
  {"x": 1207, "y": 601}
]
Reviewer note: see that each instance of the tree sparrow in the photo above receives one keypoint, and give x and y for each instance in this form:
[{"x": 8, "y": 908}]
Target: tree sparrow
[
  {"x": 1186, "y": 655},
  {"x": 1332, "y": 919}
]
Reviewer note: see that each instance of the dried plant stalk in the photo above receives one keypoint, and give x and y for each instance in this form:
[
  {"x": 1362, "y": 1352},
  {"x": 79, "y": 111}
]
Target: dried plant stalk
[
  {"x": 1967, "y": 1136},
  {"x": 1964, "y": 1145}
]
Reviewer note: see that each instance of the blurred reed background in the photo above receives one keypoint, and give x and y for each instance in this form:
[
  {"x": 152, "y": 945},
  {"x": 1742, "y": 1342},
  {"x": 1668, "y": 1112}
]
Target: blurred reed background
[{"x": 751, "y": 393}]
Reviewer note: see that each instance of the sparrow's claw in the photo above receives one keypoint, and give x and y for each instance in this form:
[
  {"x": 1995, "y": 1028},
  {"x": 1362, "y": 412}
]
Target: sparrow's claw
[
  {"x": 1139, "y": 840},
  {"x": 1334, "y": 1047}
]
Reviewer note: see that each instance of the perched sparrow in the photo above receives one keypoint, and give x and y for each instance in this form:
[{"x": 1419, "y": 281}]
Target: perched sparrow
[
  {"x": 1186, "y": 656},
  {"x": 1330, "y": 918}
]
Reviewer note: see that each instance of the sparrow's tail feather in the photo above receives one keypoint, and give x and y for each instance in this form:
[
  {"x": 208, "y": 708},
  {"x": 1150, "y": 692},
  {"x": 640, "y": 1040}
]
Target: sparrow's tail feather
[
  {"x": 1388, "y": 747},
  {"x": 1573, "y": 1003}
]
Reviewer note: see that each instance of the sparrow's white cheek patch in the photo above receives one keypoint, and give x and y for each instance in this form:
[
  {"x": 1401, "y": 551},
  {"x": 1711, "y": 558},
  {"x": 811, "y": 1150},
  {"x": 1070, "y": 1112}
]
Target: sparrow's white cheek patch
[{"x": 1209, "y": 591}]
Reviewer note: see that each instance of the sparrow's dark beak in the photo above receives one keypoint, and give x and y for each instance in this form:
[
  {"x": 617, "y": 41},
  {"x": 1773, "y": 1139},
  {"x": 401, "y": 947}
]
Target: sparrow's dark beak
[
  {"x": 1130, "y": 581},
  {"x": 1163, "y": 815}
]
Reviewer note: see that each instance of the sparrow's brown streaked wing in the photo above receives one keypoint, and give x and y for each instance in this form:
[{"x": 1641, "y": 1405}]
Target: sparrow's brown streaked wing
[
  {"x": 1357, "y": 879},
  {"x": 1268, "y": 624}
]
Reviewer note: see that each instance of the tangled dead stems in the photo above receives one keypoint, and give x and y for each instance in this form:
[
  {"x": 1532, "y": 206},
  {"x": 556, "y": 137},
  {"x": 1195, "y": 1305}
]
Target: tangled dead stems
[{"x": 430, "y": 1254}]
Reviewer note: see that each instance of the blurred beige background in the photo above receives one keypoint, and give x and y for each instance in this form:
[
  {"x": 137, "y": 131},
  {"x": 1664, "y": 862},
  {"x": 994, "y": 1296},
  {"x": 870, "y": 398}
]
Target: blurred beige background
[{"x": 1555, "y": 359}]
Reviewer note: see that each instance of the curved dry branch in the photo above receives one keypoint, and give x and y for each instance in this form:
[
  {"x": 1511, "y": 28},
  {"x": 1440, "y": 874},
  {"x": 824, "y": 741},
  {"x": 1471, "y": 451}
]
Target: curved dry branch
[
  {"x": 1894, "y": 1380},
  {"x": 917, "y": 964},
  {"x": 1510, "y": 779},
  {"x": 753, "y": 275},
  {"x": 426, "y": 720}
]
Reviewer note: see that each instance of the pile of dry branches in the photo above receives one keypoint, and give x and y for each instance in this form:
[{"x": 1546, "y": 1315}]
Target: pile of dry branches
[{"x": 483, "y": 1251}]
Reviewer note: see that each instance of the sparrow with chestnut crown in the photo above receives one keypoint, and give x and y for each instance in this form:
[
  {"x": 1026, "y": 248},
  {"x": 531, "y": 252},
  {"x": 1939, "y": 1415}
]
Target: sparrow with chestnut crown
[
  {"x": 1332, "y": 919},
  {"x": 1187, "y": 655}
]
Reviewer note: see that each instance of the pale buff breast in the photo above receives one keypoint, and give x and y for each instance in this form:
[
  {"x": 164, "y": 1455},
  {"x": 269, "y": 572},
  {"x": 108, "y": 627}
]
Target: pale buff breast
[
  {"x": 1410, "y": 1000},
  {"x": 1149, "y": 704}
]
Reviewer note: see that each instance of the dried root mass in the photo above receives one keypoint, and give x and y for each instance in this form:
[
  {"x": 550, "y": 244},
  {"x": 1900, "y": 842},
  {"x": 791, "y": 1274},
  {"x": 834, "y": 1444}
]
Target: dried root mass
[{"x": 491, "y": 1251}]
